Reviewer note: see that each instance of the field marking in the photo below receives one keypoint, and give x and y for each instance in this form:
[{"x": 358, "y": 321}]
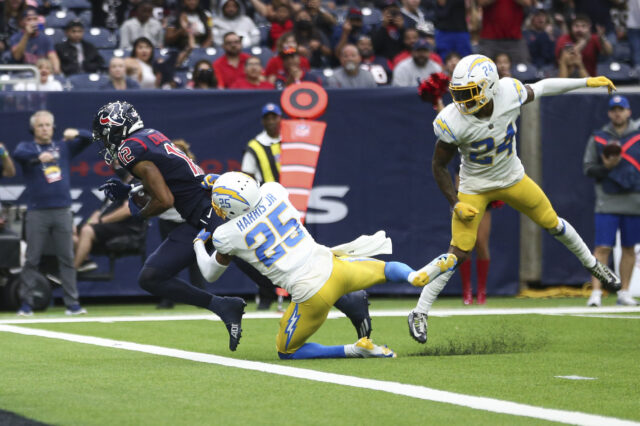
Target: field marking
[
  {"x": 413, "y": 391},
  {"x": 607, "y": 316},
  {"x": 332, "y": 314},
  {"x": 576, "y": 377}
]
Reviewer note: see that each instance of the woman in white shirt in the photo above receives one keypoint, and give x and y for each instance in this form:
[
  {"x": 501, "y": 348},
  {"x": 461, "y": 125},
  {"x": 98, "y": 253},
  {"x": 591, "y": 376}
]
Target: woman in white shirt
[
  {"x": 47, "y": 82},
  {"x": 141, "y": 63}
]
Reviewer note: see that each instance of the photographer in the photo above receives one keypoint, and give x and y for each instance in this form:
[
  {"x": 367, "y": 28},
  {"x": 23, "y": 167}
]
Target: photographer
[
  {"x": 31, "y": 44},
  {"x": 387, "y": 39},
  {"x": 570, "y": 63}
]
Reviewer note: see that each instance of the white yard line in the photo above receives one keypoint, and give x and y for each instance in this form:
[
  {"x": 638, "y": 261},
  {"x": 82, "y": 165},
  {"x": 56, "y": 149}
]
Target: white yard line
[
  {"x": 413, "y": 391},
  {"x": 37, "y": 319}
]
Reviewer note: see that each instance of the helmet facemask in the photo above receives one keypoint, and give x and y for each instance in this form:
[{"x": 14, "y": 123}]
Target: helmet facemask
[{"x": 471, "y": 97}]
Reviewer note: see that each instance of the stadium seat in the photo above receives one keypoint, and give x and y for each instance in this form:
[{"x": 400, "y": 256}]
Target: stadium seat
[
  {"x": 183, "y": 77},
  {"x": 75, "y": 4},
  {"x": 64, "y": 81},
  {"x": 525, "y": 72},
  {"x": 107, "y": 54},
  {"x": 56, "y": 35},
  {"x": 101, "y": 38},
  {"x": 618, "y": 72},
  {"x": 85, "y": 16},
  {"x": 208, "y": 53},
  {"x": 59, "y": 18},
  {"x": 87, "y": 81},
  {"x": 622, "y": 52},
  {"x": 371, "y": 17},
  {"x": 264, "y": 53},
  {"x": 264, "y": 35}
]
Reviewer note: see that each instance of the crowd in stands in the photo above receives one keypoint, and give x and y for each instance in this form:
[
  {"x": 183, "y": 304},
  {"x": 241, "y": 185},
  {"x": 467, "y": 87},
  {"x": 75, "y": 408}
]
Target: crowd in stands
[{"x": 262, "y": 44}]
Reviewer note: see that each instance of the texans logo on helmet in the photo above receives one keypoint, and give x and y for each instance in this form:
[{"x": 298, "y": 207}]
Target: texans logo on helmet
[{"x": 114, "y": 117}]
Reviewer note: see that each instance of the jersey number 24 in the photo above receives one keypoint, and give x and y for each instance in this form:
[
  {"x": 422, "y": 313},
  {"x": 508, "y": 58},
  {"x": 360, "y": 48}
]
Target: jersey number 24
[{"x": 481, "y": 155}]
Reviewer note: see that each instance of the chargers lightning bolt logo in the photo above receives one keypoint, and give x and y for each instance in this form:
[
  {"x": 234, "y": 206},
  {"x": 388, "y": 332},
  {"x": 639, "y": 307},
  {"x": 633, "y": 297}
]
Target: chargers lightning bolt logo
[
  {"x": 291, "y": 325},
  {"x": 224, "y": 192}
]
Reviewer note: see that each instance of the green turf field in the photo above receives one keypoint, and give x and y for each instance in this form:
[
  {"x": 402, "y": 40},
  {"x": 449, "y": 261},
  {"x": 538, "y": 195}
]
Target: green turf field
[{"x": 507, "y": 357}]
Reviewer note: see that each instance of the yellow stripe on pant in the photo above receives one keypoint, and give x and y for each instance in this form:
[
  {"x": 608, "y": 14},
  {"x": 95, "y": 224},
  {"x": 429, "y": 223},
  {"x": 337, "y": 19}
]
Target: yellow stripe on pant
[
  {"x": 525, "y": 196},
  {"x": 301, "y": 320}
]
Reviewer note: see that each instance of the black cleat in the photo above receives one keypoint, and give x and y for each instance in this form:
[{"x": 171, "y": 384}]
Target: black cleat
[
  {"x": 231, "y": 314},
  {"x": 607, "y": 277},
  {"x": 418, "y": 326},
  {"x": 355, "y": 306}
]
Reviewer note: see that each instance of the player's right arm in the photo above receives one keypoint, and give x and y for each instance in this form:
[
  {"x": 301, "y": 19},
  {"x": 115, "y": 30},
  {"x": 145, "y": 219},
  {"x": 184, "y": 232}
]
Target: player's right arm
[
  {"x": 155, "y": 185},
  {"x": 558, "y": 86},
  {"x": 211, "y": 267},
  {"x": 442, "y": 156}
]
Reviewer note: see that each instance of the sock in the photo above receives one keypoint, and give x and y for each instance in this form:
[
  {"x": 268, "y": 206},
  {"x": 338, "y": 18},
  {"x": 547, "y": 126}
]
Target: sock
[
  {"x": 431, "y": 291},
  {"x": 482, "y": 269},
  {"x": 215, "y": 305},
  {"x": 397, "y": 272},
  {"x": 465, "y": 275},
  {"x": 316, "y": 350},
  {"x": 567, "y": 235}
]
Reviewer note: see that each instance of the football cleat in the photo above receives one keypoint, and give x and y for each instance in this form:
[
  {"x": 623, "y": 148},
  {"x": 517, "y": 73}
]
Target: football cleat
[
  {"x": 595, "y": 299},
  {"x": 625, "y": 299},
  {"x": 75, "y": 309},
  {"x": 607, "y": 277},
  {"x": 442, "y": 263},
  {"x": 25, "y": 310},
  {"x": 231, "y": 315},
  {"x": 365, "y": 348},
  {"x": 418, "y": 326}
]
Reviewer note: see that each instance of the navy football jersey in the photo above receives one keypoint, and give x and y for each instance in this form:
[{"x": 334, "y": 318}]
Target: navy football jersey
[{"x": 181, "y": 174}]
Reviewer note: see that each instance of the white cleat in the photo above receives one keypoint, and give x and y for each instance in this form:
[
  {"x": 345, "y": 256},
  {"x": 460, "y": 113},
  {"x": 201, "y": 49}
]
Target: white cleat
[
  {"x": 442, "y": 263},
  {"x": 595, "y": 299},
  {"x": 625, "y": 299},
  {"x": 364, "y": 348}
]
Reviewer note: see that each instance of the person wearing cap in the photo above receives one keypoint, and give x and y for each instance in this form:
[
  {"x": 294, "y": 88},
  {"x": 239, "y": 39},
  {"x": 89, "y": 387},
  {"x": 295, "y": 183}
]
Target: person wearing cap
[
  {"x": 253, "y": 78},
  {"x": 409, "y": 38},
  {"x": 350, "y": 32},
  {"x": 350, "y": 75},
  {"x": 77, "y": 55},
  {"x": 411, "y": 71},
  {"x": 143, "y": 24},
  {"x": 387, "y": 38},
  {"x": 611, "y": 158},
  {"x": 292, "y": 71},
  {"x": 31, "y": 44}
]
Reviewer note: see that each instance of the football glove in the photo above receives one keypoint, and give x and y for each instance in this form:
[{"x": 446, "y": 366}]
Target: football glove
[
  {"x": 133, "y": 208},
  {"x": 115, "y": 189},
  {"x": 465, "y": 211},
  {"x": 600, "y": 81},
  {"x": 209, "y": 180},
  {"x": 203, "y": 236}
]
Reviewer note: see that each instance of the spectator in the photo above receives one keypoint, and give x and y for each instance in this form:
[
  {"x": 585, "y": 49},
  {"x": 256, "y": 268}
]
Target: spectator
[
  {"x": 452, "y": 33},
  {"x": 143, "y": 24},
  {"x": 281, "y": 23},
  {"x": 77, "y": 55},
  {"x": 350, "y": 75},
  {"x": 190, "y": 25},
  {"x": 387, "y": 39},
  {"x": 633, "y": 32},
  {"x": 503, "y": 64},
  {"x": 268, "y": 10},
  {"x": 253, "y": 78},
  {"x": 46, "y": 168},
  {"x": 230, "y": 66},
  {"x": 321, "y": 19},
  {"x": 450, "y": 62},
  {"x": 275, "y": 65},
  {"x": 30, "y": 44},
  {"x": 376, "y": 65},
  {"x": 141, "y": 61},
  {"x": 588, "y": 45},
  {"x": 599, "y": 12},
  {"x": 109, "y": 14},
  {"x": 312, "y": 43},
  {"x": 413, "y": 15},
  {"x": 570, "y": 63},
  {"x": 412, "y": 71},
  {"x": 350, "y": 32},
  {"x": 10, "y": 12},
  {"x": 118, "y": 79},
  {"x": 293, "y": 72},
  {"x": 617, "y": 188},
  {"x": 203, "y": 76},
  {"x": 47, "y": 82},
  {"x": 540, "y": 39},
  {"x": 231, "y": 18},
  {"x": 409, "y": 38},
  {"x": 502, "y": 29}
]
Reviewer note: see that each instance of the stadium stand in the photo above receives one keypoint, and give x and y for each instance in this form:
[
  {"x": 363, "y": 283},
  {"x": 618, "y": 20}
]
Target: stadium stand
[
  {"x": 618, "y": 72},
  {"x": 100, "y": 38},
  {"x": 526, "y": 73},
  {"x": 59, "y": 18},
  {"x": 91, "y": 81}
]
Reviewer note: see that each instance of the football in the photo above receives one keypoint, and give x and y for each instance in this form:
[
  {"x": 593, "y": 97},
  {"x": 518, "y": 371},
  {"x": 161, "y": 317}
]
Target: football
[
  {"x": 139, "y": 196},
  {"x": 611, "y": 149}
]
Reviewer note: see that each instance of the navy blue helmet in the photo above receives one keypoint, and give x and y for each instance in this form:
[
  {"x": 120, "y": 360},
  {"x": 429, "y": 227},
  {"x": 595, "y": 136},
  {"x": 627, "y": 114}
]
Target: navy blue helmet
[{"x": 113, "y": 123}]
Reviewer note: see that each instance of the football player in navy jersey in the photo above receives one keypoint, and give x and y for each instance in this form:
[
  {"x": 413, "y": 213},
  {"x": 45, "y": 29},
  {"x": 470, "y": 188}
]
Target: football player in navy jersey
[{"x": 171, "y": 179}]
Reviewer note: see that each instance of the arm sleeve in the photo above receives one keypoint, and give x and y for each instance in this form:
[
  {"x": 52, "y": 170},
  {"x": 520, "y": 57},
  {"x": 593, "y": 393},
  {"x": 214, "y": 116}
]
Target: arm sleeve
[
  {"x": 557, "y": 86},
  {"x": 209, "y": 266},
  {"x": 24, "y": 154},
  {"x": 590, "y": 164},
  {"x": 83, "y": 140}
]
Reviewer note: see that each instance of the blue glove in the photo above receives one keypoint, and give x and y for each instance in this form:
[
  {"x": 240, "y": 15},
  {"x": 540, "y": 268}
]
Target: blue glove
[
  {"x": 209, "y": 180},
  {"x": 203, "y": 236},
  {"x": 115, "y": 189},
  {"x": 133, "y": 208}
]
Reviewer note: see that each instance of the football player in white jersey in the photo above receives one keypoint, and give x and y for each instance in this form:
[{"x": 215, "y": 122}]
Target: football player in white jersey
[
  {"x": 264, "y": 229},
  {"x": 481, "y": 125}
]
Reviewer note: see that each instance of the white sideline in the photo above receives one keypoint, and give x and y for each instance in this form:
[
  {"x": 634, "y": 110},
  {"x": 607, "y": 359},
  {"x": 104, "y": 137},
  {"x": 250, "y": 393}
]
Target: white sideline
[
  {"x": 332, "y": 314},
  {"x": 413, "y": 391}
]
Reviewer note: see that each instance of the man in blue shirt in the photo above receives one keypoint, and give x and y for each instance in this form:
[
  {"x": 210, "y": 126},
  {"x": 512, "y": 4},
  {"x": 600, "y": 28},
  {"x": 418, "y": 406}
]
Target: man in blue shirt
[
  {"x": 46, "y": 168},
  {"x": 30, "y": 44}
]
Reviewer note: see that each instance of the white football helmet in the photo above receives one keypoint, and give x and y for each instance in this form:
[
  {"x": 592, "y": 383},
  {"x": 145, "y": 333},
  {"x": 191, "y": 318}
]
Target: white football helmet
[
  {"x": 474, "y": 83},
  {"x": 234, "y": 194}
]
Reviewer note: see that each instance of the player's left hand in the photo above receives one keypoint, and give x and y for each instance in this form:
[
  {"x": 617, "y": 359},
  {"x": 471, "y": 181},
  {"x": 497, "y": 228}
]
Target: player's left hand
[
  {"x": 209, "y": 180},
  {"x": 600, "y": 81},
  {"x": 115, "y": 189},
  {"x": 203, "y": 236},
  {"x": 133, "y": 208}
]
